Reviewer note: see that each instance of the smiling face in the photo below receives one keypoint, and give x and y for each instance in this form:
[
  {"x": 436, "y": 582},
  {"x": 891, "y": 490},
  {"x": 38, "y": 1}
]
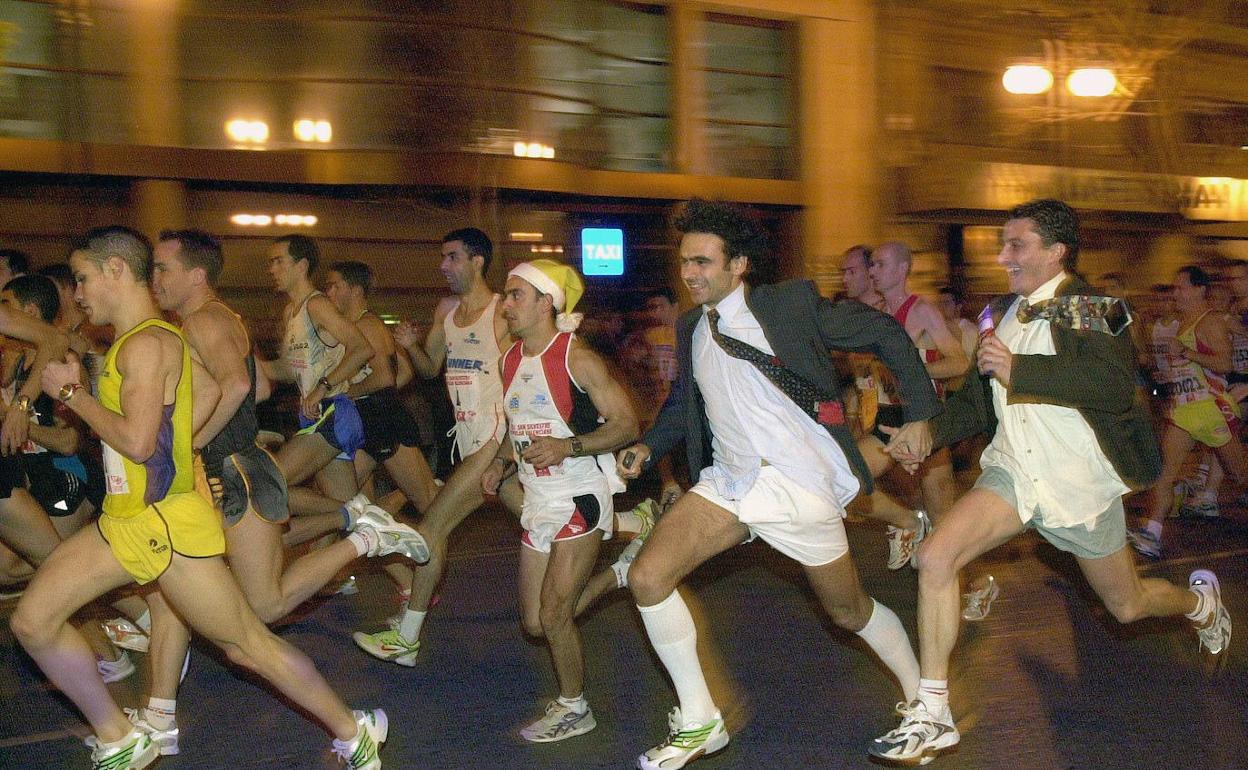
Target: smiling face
[
  {"x": 1028, "y": 263},
  {"x": 706, "y": 269}
]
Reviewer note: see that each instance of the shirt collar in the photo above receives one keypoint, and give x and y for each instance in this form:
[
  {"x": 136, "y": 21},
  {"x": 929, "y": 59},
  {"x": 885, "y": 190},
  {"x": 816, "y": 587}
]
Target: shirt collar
[
  {"x": 1048, "y": 289},
  {"x": 729, "y": 306}
]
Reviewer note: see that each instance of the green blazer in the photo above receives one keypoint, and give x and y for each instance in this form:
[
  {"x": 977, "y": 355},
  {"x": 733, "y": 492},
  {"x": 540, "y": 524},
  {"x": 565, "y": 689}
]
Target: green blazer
[{"x": 1090, "y": 371}]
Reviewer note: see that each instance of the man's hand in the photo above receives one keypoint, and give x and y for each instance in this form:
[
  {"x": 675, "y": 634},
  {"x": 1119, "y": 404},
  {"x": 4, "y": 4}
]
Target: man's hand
[
  {"x": 629, "y": 462},
  {"x": 16, "y": 429},
  {"x": 494, "y": 475},
  {"x": 546, "y": 451},
  {"x": 910, "y": 444},
  {"x": 408, "y": 334},
  {"x": 996, "y": 358},
  {"x": 311, "y": 404},
  {"x": 58, "y": 374}
]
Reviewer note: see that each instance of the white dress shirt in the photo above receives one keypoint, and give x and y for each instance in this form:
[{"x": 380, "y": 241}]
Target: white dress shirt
[
  {"x": 753, "y": 422},
  {"x": 1060, "y": 473}
]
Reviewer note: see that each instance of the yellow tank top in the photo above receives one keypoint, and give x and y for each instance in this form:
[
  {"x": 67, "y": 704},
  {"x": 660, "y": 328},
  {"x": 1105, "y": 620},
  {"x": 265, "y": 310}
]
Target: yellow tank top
[{"x": 132, "y": 486}]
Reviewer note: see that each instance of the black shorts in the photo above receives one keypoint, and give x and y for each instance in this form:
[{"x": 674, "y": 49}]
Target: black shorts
[
  {"x": 12, "y": 475},
  {"x": 386, "y": 424},
  {"x": 891, "y": 416},
  {"x": 58, "y": 492},
  {"x": 249, "y": 478}
]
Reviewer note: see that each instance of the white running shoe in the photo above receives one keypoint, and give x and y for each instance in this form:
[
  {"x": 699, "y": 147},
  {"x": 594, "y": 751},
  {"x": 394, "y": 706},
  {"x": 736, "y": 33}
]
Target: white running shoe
[
  {"x": 115, "y": 670},
  {"x": 363, "y": 751},
  {"x": 979, "y": 601},
  {"x": 355, "y": 506},
  {"x": 166, "y": 740},
  {"x": 1215, "y": 635},
  {"x": 123, "y": 633},
  {"x": 919, "y": 738},
  {"x": 388, "y": 645},
  {"x": 392, "y": 536},
  {"x": 903, "y": 544},
  {"x": 138, "y": 751},
  {"x": 559, "y": 722},
  {"x": 685, "y": 742}
]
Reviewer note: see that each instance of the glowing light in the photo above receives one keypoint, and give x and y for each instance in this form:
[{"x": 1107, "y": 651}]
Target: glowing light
[
  {"x": 1092, "y": 81},
  {"x": 1027, "y": 79},
  {"x": 525, "y": 236},
  {"x": 264, "y": 220},
  {"x": 247, "y": 131},
  {"x": 520, "y": 149},
  {"x": 307, "y": 130},
  {"x": 242, "y": 219}
]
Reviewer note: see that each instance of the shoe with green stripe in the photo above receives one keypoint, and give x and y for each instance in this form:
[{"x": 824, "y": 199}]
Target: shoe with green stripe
[
  {"x": 138, "y": 751},
  {"x": 686, "y": 742},
  {"x": 362, "y": 752},
  {"x": 388, "y": 645}
]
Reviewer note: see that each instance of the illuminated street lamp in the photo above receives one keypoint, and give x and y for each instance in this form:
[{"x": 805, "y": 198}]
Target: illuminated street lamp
[
  {"x": 1092, "y": 81},
  {"x": 1027, "y": 79}
]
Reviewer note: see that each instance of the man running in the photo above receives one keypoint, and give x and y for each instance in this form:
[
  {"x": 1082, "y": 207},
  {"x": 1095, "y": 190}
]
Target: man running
[{"x": 154, "y": 526}]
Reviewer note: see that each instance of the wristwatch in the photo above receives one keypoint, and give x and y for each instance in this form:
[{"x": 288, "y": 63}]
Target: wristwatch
[
  {"x": 23, "y": 402},
  {"x": 324, "y": 383},
  {"x": 577, "y": 448},
  {"x": 68, "y": 390}
]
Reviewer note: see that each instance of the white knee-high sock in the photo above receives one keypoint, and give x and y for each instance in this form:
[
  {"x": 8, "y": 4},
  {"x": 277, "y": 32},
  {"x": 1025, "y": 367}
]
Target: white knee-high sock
[
  {"x": 884, "y": 634},
  {"x": 674, "y": 637}
]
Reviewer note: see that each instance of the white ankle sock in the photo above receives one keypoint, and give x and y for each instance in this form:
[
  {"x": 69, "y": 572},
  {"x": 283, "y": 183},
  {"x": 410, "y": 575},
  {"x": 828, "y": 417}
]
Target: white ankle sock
[
  {"x": 577, "y": 705},
  {"x": 360, "y": 539},
  {"x": 620, "y": 568},
  {"x": 675, "y": 639},
  {"x": 934, "y": 694},
  {"x": 161, "y": 713},
  {"x": 885, "y": 635},
  {"x": 409, "y": 625},
  {"x": 144, "y": 621}
]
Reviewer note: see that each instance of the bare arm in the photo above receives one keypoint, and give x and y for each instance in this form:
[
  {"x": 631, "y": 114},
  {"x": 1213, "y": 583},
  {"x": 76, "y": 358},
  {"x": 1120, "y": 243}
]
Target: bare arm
[
  {"x": 50, "y": 344},
  {"x": 331, "y": 322},
  {"x": 205, "y": 395},
  {"x": 214, "y": 334},
  {"x": 381, "y": 364},
  {"x": 149, "y": 367},
  {"x": 427, "y": 357},
  {"x": 403, "y": 371},
  {"x": 1214, "y": 332},
  {"x": 611, "y": 401},
  {"x": 953, "y": 361}
]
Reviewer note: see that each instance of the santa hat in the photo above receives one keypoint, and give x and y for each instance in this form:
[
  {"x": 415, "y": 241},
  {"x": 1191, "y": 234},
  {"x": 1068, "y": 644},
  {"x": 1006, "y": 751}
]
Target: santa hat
[{"x": 562, "y": 283}]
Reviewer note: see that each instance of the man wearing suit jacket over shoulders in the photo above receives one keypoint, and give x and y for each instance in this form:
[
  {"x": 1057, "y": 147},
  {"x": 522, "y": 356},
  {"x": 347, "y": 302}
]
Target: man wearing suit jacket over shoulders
[
  {"x": 768, "y": 444},
  {"x": 1057, "y": 393}
]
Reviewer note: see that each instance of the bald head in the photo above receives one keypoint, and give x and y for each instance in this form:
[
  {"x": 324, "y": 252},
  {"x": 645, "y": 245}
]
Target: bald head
[{"x": 890, "y": 265}]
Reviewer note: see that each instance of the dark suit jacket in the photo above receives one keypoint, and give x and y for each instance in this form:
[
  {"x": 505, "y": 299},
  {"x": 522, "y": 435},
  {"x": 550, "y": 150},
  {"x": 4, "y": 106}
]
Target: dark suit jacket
[
  {"x": 1090, "y": 371},
  {"x": 802, "y": 328}
]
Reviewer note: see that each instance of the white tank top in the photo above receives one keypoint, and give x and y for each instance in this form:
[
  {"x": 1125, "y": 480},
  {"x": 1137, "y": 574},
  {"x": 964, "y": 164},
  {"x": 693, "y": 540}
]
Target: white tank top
[
  {"x": 543, "y": 400},
  {"x": 308, "y": 355},
  {"x": 472, "y": 379}
]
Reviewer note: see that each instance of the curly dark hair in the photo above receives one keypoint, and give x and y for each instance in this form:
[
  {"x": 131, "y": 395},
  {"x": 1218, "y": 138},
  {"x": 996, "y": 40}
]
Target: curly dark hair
[
  {"x": 743, "y": 236},
  {"x": 1055, "y": 222}
]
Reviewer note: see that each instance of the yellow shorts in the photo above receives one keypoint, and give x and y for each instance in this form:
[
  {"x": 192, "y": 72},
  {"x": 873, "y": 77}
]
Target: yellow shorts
[
  {"x": 145, "y": 543},
  {"x": 1210, "y": 421}
]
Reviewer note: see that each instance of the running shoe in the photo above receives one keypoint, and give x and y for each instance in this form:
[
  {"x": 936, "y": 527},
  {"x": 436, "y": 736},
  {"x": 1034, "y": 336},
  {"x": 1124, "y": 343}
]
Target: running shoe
[
  {"x": 1215, "y": 635},
  {"x": 138, "y": 751},
  {"x": 115, "y": 670},
  {"x": 559, "y": 722},
  {"x": 903, "y": 544},
  {"x": 392, "y": 536},
  {"x": 686, "y": 741},
  {"x": 123, "y": 633},
  {"x": 1145, "y": 543},
  {"x": 979, "y": 601},
  {"x": 362, "y": 752},
  {"x": 388, "y": 645},
  {"x": 355, "y": 506},
  {"x": 1201, "y": 509},
  {"x": 919, "y": 738},
  {"x": 166, "y": 740},
  {"x": 647, "y": 513}
]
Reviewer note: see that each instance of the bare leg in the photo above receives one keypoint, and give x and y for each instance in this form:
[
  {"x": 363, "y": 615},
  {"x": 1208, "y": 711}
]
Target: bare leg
[
  {"x": 205, "y": 594},
  {"x": 977, "y": 523},
  {"x": 1175, "y": 445},
  {"x": 26, "y": 528},
  {"x": 82, "y": 569},
  {"x": 1129, "y": 597},
  {"x": 561, "y": 577}
]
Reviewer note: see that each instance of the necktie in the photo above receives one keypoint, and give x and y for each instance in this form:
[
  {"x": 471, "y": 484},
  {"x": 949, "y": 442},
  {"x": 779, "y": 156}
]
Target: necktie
[{"x": 823, "y": 409}]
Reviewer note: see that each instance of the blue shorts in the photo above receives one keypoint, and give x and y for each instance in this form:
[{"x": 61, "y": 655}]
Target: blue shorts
[{"x": 339, "y": 424}]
